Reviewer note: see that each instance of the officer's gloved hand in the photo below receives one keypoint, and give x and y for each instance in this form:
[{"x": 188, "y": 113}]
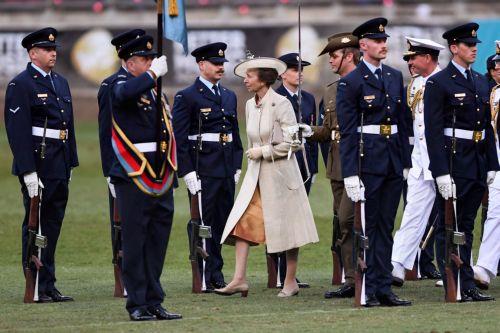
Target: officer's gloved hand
[
  {"x": 490, "y": 177},
  {"x": 353, "y": 188},
  {"x": 192, "y": 183},
  {"x": 237, "y": 176},
  {"x": 306, "y": 130},
  {"x": 444, "y": 186},
  {"x": 406, "y": 172},
  {"x": 159, "y": 66},
  {"x": 254, "y": 153},
  {"x": 111, "y": 187},
  {"x": 32, "y": 183}
]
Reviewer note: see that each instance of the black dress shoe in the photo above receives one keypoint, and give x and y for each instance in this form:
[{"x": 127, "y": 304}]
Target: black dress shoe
[
  {"x": 162, "y": 314},
  {"x": 43, "y": 298},
  {"x": 371, "y": 301},
  {"x": 302, "y": 284},
  {"x": 392, "y": 300},
  {"x": 141, "y": 315},
  {"x": 432, "y": 274},
  {"x": 397, "y": 282},
  {"x": 218, "y": 284},
  {"x": 345, "y": 291},
  {"x": 477, "y": 296},
  {"x": 58, "y": 297}
]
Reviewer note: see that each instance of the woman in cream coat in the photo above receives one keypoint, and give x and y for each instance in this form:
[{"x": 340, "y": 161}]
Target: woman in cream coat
[{"x": 272, "y": 206}]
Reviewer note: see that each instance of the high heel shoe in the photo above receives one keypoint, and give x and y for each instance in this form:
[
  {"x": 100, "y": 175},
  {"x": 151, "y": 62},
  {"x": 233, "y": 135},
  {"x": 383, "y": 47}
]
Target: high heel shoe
[
  {"x": 283, "y": 294},
  {"x": 228, "y": 291}
]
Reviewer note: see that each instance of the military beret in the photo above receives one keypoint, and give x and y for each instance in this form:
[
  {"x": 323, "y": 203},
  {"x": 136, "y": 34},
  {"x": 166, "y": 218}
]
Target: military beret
[
  {"x": 465, "y": 33},
  {"x": 45, "y": 37},
  {"x": 292, "y": 60},
  {"x": 214, "y": 52},
  {"x": 340, "y": 41},
  {"x": 373, "y": 29},
  {"x": 141, "y": 47},
  {"x": 119, "y": 40},
  {"x": 421, "y": 46}
]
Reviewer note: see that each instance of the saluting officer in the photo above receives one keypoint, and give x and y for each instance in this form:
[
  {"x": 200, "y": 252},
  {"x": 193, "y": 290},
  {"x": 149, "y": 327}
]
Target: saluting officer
[
  {"x": 219, "y": 163},
  {"x": 143, "y": 176},
  {"x": 457, "y": 107},
  {"x": 36, "y": 96},
  {"x": 374, "y": 92},
  {"x": 343, "y": 50},
  {"x": 489, "y": 252},
  {"x": 104, "y": 117},
  {"x": 422, "y": 56}
]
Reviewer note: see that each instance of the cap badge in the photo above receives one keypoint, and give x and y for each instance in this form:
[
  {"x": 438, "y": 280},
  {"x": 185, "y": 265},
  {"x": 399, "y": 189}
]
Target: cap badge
[
  {"x": 381, "y": 28},
  {"x": 345, "y": 40},
  {"x": 149, "y": 46},
  {"x": 474, "y": 33},
  {"x": 52, "y": 38},
  {"x": 498, "y": 46},
  {"x": 221, "y": 53}
]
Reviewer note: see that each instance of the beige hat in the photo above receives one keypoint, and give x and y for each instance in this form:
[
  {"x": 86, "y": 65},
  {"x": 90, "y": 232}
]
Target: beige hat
[{"x": 259, "y": 62}]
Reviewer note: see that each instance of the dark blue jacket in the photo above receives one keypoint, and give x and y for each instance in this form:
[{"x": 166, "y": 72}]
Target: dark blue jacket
[
  {"x": 104, "y": 121},
  {"x": 361, "y": 92},
  {"x": 217, "y": 116},
  {"x": 308, "y": 110},
  {"x": 448, "y": 92},
  {"x": 30, "y": 98}
]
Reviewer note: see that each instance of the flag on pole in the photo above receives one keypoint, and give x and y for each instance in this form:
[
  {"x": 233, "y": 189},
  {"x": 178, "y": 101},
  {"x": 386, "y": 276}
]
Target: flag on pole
[{"x": 174, "y": 22}]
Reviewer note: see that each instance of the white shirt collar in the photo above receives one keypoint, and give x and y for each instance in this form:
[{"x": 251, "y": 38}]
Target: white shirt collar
[
  {"x": 290, "y": 92},
  {"x": 460, "y": 68},
  {"x": 41, "y": 71},
  {"x": 371, "y": 67},
  {"x": 208, "y": 83}
]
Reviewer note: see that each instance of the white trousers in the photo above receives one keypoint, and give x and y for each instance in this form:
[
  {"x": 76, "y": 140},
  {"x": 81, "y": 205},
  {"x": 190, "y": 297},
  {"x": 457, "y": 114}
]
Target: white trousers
[
  {"x": 419, "y": 201},
  {"x": 489, "y": 251}
]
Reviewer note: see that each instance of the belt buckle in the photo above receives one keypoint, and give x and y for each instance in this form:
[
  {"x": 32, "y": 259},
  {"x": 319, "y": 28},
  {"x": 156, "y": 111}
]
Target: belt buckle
[
  {"x": 63, "y": 134},
  {"x": 385, "y": 129},
  {"x": 477, "y": 135},
  {"x": 224, "y": 137}
]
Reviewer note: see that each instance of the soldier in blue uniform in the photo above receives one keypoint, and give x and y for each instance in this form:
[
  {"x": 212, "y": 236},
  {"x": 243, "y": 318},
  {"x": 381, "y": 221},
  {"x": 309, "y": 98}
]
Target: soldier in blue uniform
[
  {"x": 36, "y": 96},
  {"x": 375, "y": 91},
  {"x": 142, "y": 173},
  {"x": 104, "y": 117},
  {"x": 219, "y": 163},
  {"x": 457, "y": 100}
]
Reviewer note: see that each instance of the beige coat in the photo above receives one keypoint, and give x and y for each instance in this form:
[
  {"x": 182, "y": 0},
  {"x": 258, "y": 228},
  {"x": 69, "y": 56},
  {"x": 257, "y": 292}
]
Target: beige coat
[{"x": 288, "y": 219}]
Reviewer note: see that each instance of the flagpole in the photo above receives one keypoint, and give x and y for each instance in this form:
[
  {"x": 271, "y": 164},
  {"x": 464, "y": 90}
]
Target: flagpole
[{"x": 159, "y": 95}]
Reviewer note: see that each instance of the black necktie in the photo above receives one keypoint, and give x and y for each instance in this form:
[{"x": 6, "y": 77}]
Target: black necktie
[
  {"x": 378, "y": 72},
  {"x": 49, "y": 76},
  {"x": 469, "y": 77},
  {"x": 216, "y": 90}
]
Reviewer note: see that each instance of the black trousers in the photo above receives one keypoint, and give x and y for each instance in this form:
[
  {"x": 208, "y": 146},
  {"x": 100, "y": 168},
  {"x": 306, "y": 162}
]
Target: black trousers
[
  {"x": 217, "y": 197},
  {"x": 469, "y": 195},
  {"x": 54, "y": 200},
  {"x": 146, "y": 224}
]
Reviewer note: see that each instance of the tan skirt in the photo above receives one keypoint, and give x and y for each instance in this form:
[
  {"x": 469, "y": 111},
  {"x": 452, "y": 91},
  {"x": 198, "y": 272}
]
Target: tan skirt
[{"x": 250, "y": 227}]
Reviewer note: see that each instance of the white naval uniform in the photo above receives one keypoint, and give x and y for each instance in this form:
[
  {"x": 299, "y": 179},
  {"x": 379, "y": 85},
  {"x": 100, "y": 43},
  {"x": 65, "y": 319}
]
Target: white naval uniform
[
  {"x": 489, "y": 251},
  {"x": 421, "y": 188}
]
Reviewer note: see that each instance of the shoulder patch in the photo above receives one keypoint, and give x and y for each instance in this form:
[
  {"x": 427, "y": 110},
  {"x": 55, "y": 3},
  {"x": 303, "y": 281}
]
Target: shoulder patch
[
  {"x": 121, "y": 75},
  {"x": 178, "y": 96},
  {"x": 430, "y": 82},
  {"x": 120, "y": 82},
  {"x": 12, "y": 84},
  {"x": 14, "y": 110},
  {"x": 104, "y": 84},
  {"x": 342, "y": 83}
]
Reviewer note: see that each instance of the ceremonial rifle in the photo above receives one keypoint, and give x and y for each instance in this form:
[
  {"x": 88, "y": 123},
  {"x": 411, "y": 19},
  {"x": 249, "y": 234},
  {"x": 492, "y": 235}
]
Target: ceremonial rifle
[
  {"x": 360, "y": 240},
  {"x": 453, "y": 238},
  {"x": 36, "y": 241},
  {"x": 336, "y": 251},
  {"x": 117, "y": 252},
  {"x": 197, "y": 231}
]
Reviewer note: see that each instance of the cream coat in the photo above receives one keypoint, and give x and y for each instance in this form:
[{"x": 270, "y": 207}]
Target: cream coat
[{"x": 288, "y": 219}]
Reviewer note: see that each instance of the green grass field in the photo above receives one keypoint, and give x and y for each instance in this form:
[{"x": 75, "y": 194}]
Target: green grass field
[{"x": 85, "y": 271}]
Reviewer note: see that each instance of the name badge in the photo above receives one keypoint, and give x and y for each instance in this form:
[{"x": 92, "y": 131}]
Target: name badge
[
  {"x": 42, "y": 95},
  {"x": 460, "y": 95},
  {"x": 369, "y": 98},
  {"x": 206, "y": 110}
]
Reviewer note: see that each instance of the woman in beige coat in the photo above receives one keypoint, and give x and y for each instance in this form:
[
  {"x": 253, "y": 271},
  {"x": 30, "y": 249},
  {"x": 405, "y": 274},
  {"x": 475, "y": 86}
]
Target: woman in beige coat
[{"x": 272, "y": 206}]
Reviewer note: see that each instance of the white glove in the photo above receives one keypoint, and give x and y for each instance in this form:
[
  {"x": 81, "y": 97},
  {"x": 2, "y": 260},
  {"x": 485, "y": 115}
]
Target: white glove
[
  {"x": 192, "y": 182},
  {"x": 306, "y": 130},
  {"x": 490, "y": 177},
  {"x": 237, "y": 176},
  {"x": 111, "y": 187},
  {"x": 406, "y": 172},
  {"x": 254, "y": 153},
  {"x": 353, "y": 188},
  {"x": 32, "y": 183},
  {"x": 159, "y": 66},
  {"x": 313, "y": 178},
  {"x": 444, "y": 186},
  {"x": 70, "y": 175}
]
